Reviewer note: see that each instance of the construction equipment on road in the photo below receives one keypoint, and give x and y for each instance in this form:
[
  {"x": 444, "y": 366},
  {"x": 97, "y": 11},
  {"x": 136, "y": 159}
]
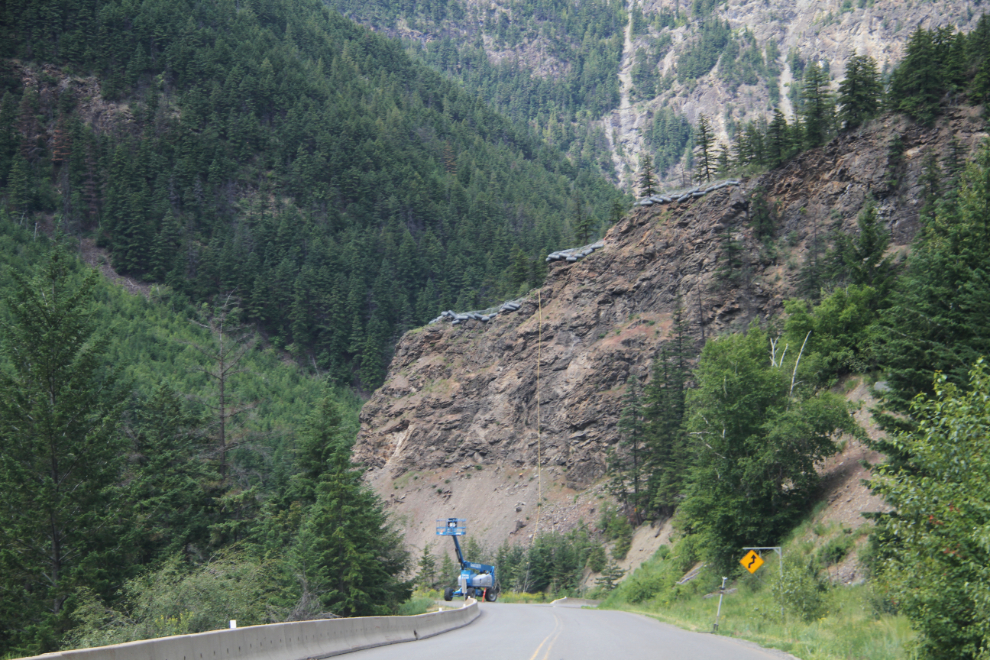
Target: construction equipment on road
[{"x": 475, "y": 580}]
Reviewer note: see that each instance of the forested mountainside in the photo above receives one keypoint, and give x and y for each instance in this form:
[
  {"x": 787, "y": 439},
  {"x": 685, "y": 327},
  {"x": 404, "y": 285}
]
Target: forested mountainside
[
  {"x": 551, "y": 63},
  {"x": 653, "y": 66},
  {"x": 160, "y": 471},
  {"x": 342, "y": 191}
]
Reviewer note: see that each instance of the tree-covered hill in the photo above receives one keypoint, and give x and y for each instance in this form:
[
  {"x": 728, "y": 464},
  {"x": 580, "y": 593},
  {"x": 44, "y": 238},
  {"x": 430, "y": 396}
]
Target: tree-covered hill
[
  {"x": 162, "y": 472},
  {"x": 276, "y": 150},
  {"x": 553, "y": 64}
]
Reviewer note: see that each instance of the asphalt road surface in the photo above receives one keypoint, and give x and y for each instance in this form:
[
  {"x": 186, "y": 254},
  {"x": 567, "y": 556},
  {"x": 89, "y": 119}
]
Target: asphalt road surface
[{"x": 548, "y": 632}]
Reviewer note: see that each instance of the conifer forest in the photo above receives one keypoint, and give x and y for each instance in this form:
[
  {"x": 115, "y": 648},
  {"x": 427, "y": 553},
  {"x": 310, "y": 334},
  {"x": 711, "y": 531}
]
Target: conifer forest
[{"x": 217, "y": 219}]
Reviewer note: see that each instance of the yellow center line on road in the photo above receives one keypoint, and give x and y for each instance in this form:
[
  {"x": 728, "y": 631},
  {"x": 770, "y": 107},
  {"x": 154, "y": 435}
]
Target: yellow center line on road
[
  {"x": 552, "y": 642},
  {"x": 553, "y": 633}
]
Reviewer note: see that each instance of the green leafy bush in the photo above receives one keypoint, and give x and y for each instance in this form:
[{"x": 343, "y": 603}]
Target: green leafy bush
[
  {"x": 802, "y": 591},
  {"x": 174, "y": 600}
]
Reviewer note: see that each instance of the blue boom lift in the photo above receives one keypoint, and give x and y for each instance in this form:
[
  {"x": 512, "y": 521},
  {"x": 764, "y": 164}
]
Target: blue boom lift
[{"x": 475, "y": 579}]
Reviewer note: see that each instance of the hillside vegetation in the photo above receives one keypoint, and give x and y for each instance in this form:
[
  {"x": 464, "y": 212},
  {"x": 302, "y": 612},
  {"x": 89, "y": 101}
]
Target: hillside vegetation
[
  {"x": 162, "y": 473},
  {"x": 346, "y": 192}
]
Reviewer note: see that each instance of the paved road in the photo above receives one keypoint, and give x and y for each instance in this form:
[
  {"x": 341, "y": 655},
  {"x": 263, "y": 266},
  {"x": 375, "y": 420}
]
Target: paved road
[{"x": 546, "y": 632}]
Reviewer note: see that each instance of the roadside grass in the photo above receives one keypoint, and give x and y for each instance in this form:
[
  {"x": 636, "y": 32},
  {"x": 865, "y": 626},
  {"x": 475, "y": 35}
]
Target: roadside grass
[
  {"x": 522, "y": 597},
  {"x": 418, "y": 603},
  {"x": 820, "y": 621},
  {"x": 848, "y": 630}
]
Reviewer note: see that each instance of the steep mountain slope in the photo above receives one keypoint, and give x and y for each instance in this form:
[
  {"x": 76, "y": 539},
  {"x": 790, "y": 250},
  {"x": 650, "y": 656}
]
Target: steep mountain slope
[
  {"x": 467, "y": 395},
  {"x": 346, "y": 191},
  {"x": 759, "y": 65},
  {"x": 734, "y": 60}
]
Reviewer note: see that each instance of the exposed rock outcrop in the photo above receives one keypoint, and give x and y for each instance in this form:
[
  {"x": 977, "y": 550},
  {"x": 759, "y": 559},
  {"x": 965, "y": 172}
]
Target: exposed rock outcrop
[{"x": 472, "y": 394}]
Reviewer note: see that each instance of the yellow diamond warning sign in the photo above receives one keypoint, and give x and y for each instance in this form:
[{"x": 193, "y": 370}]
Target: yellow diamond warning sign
[{"x": 752, "y": 561}]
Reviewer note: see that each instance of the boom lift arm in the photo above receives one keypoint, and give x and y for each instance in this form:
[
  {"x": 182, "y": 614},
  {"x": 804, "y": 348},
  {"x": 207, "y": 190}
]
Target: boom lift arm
[{"x": 475, "y": 579}]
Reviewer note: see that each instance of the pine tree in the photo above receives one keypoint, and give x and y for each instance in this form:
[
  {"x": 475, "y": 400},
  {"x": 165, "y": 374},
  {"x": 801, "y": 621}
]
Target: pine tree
[
  {"x": 916, "y": 85},
  {"x": 426, "y": 578},
  {"x": 62, "y": 454},
  {"x": 938, "y": 315},
  {"x": 354, "y": 555},
  {"x": 818, "y": 107},
  {"x": 730, "y": 269},
  {"x": 171, "y": 483},
  {"x": 631, "y": 428},
  {"x": 582, "y": 221},
  {"x": 663, "y": 412},
  {"x": 704, "y": 150},
  {"x": 647, "y": 180},
  {"x": 723, "y": 159},
  {"x": 19, "y": 187},
  {"x": 610, "y": 576},
  {"x": 977, "y": 47},
  {"x": 616, "y": 212},
  {"x": 229, "y": 343},
  {"x": 860, "y": 92},
  {"x": 865, "y": 257},
  {"x": 778, "y": 144},
  {"x": 763, "y": 214}
]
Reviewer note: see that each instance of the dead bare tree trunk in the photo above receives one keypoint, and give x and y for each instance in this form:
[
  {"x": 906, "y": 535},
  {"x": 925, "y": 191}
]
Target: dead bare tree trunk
[{"x": 224, "y": 356}]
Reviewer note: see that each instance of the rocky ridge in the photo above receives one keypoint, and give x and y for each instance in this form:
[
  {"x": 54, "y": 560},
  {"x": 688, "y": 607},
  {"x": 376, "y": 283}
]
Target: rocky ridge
[
  {"x": 817, "y": 30},
  {"x": 464, "y": 401}
]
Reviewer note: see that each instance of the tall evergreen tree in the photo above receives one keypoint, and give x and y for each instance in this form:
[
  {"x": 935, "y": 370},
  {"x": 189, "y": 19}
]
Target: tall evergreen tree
[
  {"x": 778, "y": 142},
  {"x": 916, "y": 85},
  {"x": 354, "y": 556},
  {"x": 631, "y": 428},
  {"x": 865, "y": 257},
  {"x": 647, "y": 180},
  {"x": 860, "y": 93},
  {"x": 818, "y": 107},
  {"x": 939, "y": 313},
  {"x": 61, "y": 454},
  {"x": 171, "y": 482},
  {"x": 228, "y": 345},
  {"x": 663, "y": 414},
  {"x": 704, "y": 150},
  {"x": 582, "y": 221}
]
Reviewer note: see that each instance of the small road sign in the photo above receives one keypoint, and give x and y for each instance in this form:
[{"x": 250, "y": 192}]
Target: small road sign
[{"x": 752, "y": 561}]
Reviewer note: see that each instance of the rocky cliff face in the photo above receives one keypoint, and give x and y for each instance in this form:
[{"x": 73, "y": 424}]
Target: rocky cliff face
[
  {"x": 464, "y": 401},
  {"x": 816, "y": 30}
]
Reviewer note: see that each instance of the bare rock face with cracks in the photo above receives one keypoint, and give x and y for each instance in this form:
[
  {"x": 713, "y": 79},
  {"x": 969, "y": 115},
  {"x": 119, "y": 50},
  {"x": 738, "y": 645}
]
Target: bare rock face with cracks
[{"x": 470, "y": 395}]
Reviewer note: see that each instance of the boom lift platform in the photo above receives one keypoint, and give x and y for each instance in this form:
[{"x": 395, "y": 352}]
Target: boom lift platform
[{"x": 475, "y": 579}]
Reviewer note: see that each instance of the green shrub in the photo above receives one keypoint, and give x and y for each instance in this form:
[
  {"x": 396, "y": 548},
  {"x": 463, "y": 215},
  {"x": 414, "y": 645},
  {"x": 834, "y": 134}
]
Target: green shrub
[
  {"x": 802, "y": 592},
  {"x": 177, "y": 601},
  {"x": 615, "y": 526},
  {"x": 415, "y": 605},
  {"x": 596, "y": 559},
  {"x": 835, "y": 550}
]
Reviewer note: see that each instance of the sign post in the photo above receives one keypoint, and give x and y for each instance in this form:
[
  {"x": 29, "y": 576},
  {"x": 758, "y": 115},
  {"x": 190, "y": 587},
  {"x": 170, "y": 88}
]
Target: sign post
[
  {"x": 752, "y": 562},
  {"x": 718, "y": 613}
]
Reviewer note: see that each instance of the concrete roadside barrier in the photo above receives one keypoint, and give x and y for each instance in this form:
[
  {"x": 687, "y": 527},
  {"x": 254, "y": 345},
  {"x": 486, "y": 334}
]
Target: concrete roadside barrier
[{"x": 300, "y": 640}]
